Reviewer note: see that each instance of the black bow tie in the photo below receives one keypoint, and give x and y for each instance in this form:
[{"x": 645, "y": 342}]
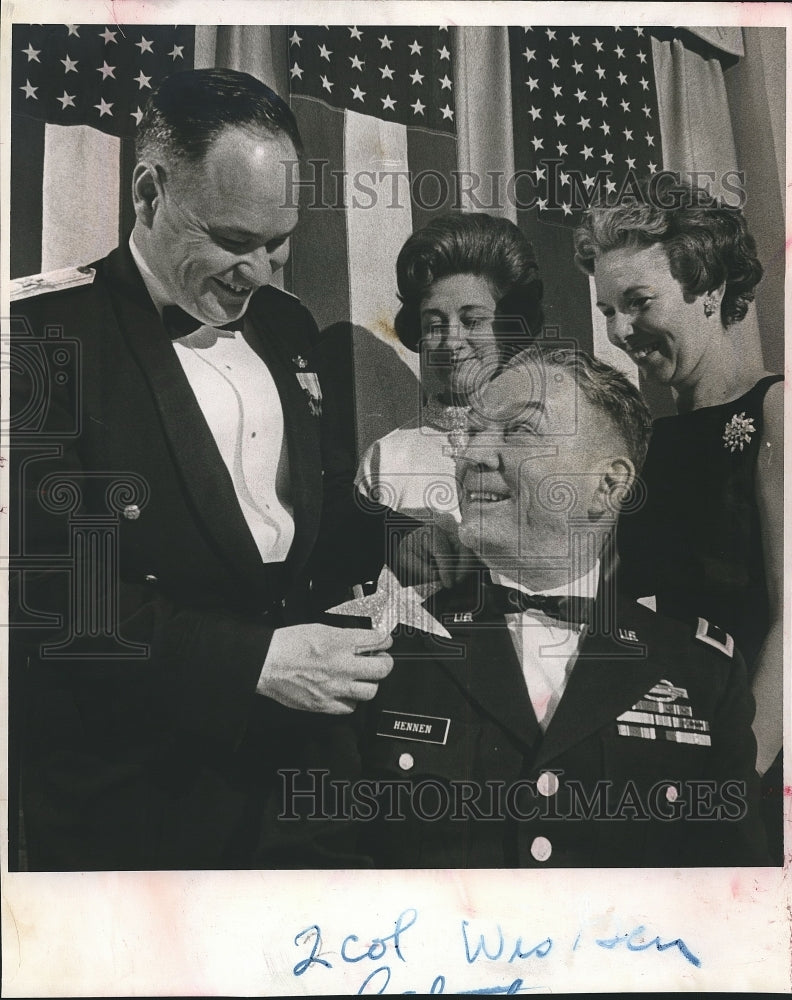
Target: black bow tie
[
  {"x": 179, "y": 323},
  {"x": 510, "y": 601}
]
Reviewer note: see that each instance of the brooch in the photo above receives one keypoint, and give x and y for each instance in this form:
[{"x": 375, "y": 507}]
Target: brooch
[{"x": 737, "y": 432}]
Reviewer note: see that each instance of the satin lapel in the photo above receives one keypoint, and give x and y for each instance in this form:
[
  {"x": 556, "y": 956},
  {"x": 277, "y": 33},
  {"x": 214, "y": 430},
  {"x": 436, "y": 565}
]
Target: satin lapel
[
  {"x": 269, "y": 334},
  {"x": 195, "y": 454},
  {"x": 488, "y": 672},
  {"x": 603, "y": 684}
]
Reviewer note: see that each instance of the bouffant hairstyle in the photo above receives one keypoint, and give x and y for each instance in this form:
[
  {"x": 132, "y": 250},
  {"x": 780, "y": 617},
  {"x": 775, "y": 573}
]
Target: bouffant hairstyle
[
  {"x": 707, "y": 243},
  {"x": 472, "y": 243}
]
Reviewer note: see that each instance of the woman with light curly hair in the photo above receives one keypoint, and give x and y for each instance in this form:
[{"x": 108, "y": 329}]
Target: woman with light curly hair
[{"x": 674, "y": 271}]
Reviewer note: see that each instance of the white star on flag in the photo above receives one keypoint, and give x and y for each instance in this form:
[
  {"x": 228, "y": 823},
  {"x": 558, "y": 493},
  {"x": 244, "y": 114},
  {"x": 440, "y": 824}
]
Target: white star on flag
[
  {"x": 103, "y": 107},
  {"x": 30, "y": 91},
  {"x": 392, "y": 605},
  {"x": 106, "y": 71},
  {"x": 32, "y": 54},
  {"x": 70, "y": 65},
  {"x": 296, "y": 71},
  {"x": 67, "y": 101},
  {"x": 145, "y": 45},
  {"x": 142, "y": 80},
  {"x": 108, "y": 35}
]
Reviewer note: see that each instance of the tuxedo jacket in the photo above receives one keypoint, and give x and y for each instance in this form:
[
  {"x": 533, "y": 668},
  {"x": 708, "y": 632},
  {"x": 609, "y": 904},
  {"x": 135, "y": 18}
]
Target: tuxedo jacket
[
  {"x": 647, "y": 761},
  {"x": 142, "y": 612}
]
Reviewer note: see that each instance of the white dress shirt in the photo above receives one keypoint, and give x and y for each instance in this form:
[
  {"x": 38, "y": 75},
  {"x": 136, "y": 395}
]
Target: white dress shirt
[
  {"x": 546, "y": 647},
  {"x": 241, "y": 405}
]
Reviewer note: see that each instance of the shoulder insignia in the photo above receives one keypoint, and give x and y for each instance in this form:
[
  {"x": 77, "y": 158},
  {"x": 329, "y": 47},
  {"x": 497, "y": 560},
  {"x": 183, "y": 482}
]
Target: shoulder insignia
[
  {"x": 648, "y": 602},
  {"x": 51, "y": 281},
  {"x": 715, "y": 636}
]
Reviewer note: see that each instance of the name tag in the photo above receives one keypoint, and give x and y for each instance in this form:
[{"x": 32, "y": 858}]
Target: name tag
[{"x": 405, "y": 726}]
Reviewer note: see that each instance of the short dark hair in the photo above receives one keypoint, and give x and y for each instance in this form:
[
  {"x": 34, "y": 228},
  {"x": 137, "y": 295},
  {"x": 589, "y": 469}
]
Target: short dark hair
[
  {"x": 471, "y": 243},
  {"x": 605, "y": 388},
  {"x": 707, "y": 243},
  {"x": 189, "y": 110}
]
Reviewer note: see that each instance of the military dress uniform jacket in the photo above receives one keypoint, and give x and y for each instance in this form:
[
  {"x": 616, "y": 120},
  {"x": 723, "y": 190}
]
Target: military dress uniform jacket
[
  {"x": 653, "y": 729},
  {"x": 143, "y": 742}
]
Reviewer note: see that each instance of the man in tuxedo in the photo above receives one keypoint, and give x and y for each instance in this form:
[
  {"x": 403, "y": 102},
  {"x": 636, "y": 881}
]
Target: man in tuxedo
[
  {"x": 556, "y": 725},
  {"x": 169, "y": 496}
]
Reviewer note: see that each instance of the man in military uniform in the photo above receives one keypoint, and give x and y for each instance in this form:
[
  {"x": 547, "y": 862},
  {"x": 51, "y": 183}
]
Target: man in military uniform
[
  {"x": 168, "y": 491},
  {"x": 556, "y": 725}
]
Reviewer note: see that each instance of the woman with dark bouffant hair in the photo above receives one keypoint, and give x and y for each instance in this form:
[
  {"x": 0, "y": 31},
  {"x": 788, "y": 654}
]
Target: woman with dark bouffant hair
[
  {"x": 674, "y": 271},
  {"x": 470, "y": 298}
]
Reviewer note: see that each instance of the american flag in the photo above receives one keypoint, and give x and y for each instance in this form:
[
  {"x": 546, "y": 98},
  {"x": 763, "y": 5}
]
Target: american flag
[
  {"x": 403, "y": 75},
  {"x": 585, "y": 112},
  {"x": 93, "y": 74},
  {"x": 77, "y": 93}
]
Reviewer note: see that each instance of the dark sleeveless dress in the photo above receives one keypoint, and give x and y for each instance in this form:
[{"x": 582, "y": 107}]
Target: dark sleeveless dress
[{"x": 696, "y": 542}]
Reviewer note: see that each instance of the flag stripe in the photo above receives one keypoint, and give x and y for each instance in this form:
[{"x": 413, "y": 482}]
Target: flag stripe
[
  {"x": 375, "y": 151},
  {"x": 378, "y": 224},
  {"x": 126, "y": 208},
  {"x": 566, "y": 292},
  {"x": 319, "y": 246},
  {"x": 27, "y": 154},
  {"x": 431, "y": 156},
  {"x": 80, "y": 206}
]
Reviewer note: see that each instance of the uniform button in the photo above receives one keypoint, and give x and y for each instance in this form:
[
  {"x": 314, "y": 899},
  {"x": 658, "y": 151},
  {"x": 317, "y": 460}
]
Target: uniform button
[
  {"x": 150, "y": 578},
  {"x": 541, "y": 848},
  {"x": 547, "y": 783},
  {"x": 283, "y": 602},
  {"x": 131, "y": 512},
  {"x": 671, "y": 793},
  {"x": 406, "y": 761}
]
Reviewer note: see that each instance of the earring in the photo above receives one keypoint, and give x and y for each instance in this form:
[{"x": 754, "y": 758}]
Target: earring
[{"x": 710, "y": 305}]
